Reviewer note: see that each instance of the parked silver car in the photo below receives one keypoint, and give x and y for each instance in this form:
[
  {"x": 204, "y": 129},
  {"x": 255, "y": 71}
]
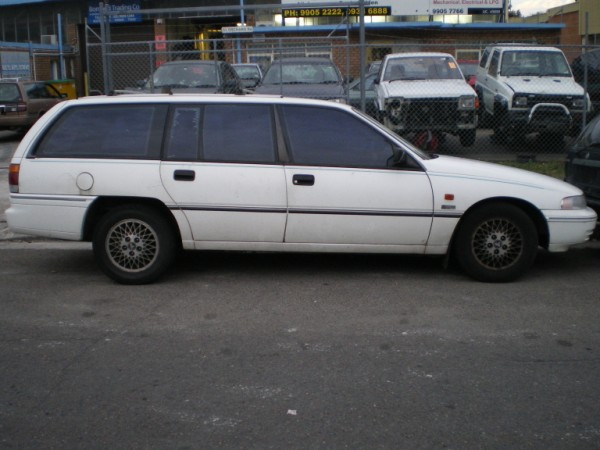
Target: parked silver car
[
  {"x": 210, "y": 77},
  {"x": 304, "y": 77}
]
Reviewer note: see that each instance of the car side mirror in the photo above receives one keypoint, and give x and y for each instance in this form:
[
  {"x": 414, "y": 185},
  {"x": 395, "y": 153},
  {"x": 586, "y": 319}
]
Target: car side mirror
[{"x": 376, "y": 80}]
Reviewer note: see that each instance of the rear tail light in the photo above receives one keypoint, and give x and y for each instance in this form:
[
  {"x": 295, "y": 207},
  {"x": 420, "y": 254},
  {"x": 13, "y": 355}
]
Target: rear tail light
[{"x": 13, "y": 178}]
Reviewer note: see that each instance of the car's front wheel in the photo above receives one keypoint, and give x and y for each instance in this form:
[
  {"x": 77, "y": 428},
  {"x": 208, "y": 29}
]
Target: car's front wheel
[
  {"x": 496, "y": 243},
  {"x": 134, "y": 244}
]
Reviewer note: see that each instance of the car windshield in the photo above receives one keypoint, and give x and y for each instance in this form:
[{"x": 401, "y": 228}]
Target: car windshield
[
  {"x": 534, "y": 63},
  {"x": 185, "y": 76},
  {"x": 302, "y": 73},
  {"x": 247, "y": 71},
  {"x": 469, "y": 68},
  {"x": 422, "y": 68}
]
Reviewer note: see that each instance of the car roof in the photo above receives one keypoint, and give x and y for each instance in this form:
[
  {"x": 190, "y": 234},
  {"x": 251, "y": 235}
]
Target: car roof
[
  {"x": 204, "y": 98},
  {"x": 188, "y": 62},
  {"x": 417, "y": 54},
  {"x": 525, "y": 48},
  {"x": 308, "y": 59}
]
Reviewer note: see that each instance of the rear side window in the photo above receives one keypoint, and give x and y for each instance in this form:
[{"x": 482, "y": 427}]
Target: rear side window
[
  {"x": 9, "y": 93},
  {"x": 115, "y": 131},
  {"x": 41, "y": 91},
  {"x": 493, "y": 70},
  {"x": 221, "y": 133}
]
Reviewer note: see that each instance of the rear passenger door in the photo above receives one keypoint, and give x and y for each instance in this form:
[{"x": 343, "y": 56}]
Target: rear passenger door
[{"x": 220, "y": 169}]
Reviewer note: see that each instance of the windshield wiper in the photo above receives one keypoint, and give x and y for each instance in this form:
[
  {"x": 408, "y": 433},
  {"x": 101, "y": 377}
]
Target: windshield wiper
[{"x": 407, "y": 79}]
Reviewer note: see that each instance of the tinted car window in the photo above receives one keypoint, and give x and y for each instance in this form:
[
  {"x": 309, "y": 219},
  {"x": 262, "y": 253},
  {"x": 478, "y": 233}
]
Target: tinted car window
[
  {"x": 121, "y": 131},
  {"x": 185, "y": 75},
  {"x": 238, "y": 133},
  {"x": 493, "y": 70},
  {"x": 40, "y": 90},
  {"x": 183, "y": 138},
  {"x": 321, "y": 136},
  {"x": 484, "y": 57},
  {"x": 242, "y": 133},
  {"x": 590, "y": 135},
  {"x": 9, "y": 92},
  {"x": 302, "y": 72}
]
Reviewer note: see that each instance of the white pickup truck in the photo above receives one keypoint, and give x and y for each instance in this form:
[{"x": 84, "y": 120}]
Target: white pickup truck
[
  {"x": 526, "y": 89},
  {"x": 425, "y": 94}
]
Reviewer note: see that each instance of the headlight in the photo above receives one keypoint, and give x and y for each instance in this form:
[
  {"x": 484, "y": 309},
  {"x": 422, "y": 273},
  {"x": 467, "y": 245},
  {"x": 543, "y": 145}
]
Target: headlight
[
  {"x": 394, "y": 106},
  {"x": 466, "y": 103},
  {"x": 578, "y": 103},
  {"x": 520, "y": 101},
  {"x": 575, "y": 202}
]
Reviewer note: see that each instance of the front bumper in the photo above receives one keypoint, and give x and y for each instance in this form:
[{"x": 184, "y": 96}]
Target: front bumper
[
  {"x": 569, "y": 227},
  {"x": 545, "y": 117},
  {"x": 428, "y": 115}
]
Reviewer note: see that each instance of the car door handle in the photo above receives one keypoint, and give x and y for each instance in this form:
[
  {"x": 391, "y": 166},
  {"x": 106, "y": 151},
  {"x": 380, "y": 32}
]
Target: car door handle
[
  {"x": 303, "y": 180},
  {"x": 184, "y": 175}
]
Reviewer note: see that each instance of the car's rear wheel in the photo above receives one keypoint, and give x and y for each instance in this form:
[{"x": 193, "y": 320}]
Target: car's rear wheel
[
  {"x": 134, "y": 244},
  {"x": 497, "y": 242}
]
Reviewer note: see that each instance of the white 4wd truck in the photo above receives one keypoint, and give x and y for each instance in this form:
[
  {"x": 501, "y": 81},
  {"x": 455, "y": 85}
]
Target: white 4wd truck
[
  {"x": 426, "y": 94},
  {"x": 526, "y": 89}
]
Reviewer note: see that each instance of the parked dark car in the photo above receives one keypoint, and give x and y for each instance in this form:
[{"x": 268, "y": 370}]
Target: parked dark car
[
  {"x": 370, "y": 95},
  {"x": 304, "y": 77},
  {"x": 578, "y": 66},
  {"x": 250, "y": 73},
  {"x": 374, "y": 66},
  {"x": 208, "y": 77},
  {"x": 582, "y": 167},
  {"x": 22, "y": 103}
]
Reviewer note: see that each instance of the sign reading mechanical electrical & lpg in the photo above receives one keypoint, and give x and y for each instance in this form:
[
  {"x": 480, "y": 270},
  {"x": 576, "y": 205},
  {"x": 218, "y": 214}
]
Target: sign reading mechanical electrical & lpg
[{"x": 422, "y": 7}]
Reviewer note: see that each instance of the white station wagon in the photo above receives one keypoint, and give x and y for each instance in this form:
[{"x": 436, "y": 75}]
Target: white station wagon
[{"x": 142, "y": 177}]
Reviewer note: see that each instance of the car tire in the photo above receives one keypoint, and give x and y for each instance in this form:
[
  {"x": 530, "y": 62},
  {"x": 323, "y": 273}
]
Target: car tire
[
  {"x": 496, "y": 243},
  {"x": 467, "y": 137},
  {"x": 134, "y": 244}
]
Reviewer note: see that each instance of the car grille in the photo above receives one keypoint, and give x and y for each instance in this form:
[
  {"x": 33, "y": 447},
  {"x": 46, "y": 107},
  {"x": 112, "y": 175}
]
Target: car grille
[
  {"x": 535, "y": 99},
  {"x": 585, "y": 174},
  {"x": 432, "y": 113}
]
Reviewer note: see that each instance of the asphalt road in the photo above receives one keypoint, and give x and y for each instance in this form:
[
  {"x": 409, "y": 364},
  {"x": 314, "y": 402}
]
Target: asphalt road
[
  {"x": 297, "y": 351},
  {"x": 258, "y": 351}
]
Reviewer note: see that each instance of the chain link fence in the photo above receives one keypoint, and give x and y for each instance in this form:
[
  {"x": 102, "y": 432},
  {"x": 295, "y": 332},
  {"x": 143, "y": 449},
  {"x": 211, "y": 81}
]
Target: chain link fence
[{"x": 537, "y": 117}]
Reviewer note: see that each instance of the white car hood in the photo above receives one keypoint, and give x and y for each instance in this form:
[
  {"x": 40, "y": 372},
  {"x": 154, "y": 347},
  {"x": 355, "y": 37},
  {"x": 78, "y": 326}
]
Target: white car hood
[
  {"x": 544, "y": 85},
  {"x": 507, "y": 178},
  {"x": 426, "y": 88}
]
